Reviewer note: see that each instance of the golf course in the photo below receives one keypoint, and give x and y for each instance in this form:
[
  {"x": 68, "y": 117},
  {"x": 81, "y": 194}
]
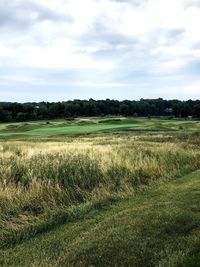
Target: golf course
[
  {"x": 100, "y": 191},
  {"x": 100, "y": 133},
  {"x": 91, "y": 125}
]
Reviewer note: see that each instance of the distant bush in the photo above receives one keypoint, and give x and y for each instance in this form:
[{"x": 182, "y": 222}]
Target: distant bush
[
  {"x": 110, "y": 121},
  {"x": 70, "y": 118}
]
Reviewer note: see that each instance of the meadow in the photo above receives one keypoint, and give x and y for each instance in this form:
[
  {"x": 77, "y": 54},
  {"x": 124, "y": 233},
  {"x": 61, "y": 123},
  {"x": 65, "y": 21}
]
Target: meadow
[{"x": 100, "y": 192}]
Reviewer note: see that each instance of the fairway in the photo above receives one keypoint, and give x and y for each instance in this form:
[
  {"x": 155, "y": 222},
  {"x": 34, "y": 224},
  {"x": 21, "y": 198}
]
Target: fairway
[
  {"x": 91, "y": 125},
  {"x": 74, "y": 129}
]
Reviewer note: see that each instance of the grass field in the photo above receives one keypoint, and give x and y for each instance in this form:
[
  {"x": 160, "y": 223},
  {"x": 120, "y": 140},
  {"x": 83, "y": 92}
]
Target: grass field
[
  {"x": 91, "y": 125},
  {"x": 124, "y": 194},
  {"x": 150, "y": 229}
]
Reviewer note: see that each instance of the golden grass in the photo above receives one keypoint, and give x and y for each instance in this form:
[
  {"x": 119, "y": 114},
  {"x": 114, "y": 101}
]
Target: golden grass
[{"x": 39, "y": 178}]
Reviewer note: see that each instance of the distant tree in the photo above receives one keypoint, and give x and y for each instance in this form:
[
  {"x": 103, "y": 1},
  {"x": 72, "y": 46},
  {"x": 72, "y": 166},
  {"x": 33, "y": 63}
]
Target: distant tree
[
  {"x": 196, "y": 111},
  {"x": 21, "y": 116},
  {"x": 185, "y": 110},
  {"x": 177, "y": 109},
  {"x": 91, "y": 107},
  {"x": 41, "y": 111},
  {"x": 124, "y": 109},
  {"x": 5, "y": 115}
]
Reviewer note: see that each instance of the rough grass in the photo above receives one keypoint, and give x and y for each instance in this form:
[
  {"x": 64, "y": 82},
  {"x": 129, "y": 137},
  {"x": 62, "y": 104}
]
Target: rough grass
[
  {"x": 159, "y": 227},
  {"x": 42, "y": 181},
  {"x": 47, "y": 182}
]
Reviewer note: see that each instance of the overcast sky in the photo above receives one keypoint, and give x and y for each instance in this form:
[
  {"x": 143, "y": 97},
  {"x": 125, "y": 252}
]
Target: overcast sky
[{"x": 121, "y": 49}]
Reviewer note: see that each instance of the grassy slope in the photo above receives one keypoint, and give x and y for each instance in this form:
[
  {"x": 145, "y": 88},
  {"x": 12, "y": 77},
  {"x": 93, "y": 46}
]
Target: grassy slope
[
  {"x": 40, "y": 129},
  {"x": 69, "y": 129},
  {"x": 160, "y": 227}
]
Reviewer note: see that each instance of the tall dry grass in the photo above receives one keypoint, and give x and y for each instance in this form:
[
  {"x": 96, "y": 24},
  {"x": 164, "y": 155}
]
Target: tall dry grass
[{"x": 43, "y": 183}]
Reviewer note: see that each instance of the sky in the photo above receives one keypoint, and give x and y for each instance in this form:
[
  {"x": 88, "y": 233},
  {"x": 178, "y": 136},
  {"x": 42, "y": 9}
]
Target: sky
[{"x": 80, "y": 49}]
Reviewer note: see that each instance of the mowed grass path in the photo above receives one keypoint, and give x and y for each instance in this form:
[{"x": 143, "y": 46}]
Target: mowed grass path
[{"x": 159, "y": 227}]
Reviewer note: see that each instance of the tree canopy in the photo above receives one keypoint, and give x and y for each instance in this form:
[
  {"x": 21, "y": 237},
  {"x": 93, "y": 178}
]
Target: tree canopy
[{"x": 75, "y": 108}]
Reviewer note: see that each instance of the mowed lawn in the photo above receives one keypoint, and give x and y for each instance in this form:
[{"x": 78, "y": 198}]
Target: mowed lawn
[
  {"x": 42, "y": 130},
  {"x": 53, "y": 128},
  {"x": 159, "y": 227},
  {"x": 77, "y": 129}
]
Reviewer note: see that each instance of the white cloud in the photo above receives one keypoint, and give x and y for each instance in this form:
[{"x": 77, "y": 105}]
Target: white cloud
[{"x": 106, "y": 43}]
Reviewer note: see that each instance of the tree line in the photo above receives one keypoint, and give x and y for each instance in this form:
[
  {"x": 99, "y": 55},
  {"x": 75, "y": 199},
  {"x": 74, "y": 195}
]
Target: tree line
[{"x": 12, "y": 112}]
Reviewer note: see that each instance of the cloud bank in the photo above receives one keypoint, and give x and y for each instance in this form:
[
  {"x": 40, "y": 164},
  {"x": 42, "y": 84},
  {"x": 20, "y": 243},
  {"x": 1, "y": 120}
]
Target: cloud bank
[{"x": 66, "y": 49}]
